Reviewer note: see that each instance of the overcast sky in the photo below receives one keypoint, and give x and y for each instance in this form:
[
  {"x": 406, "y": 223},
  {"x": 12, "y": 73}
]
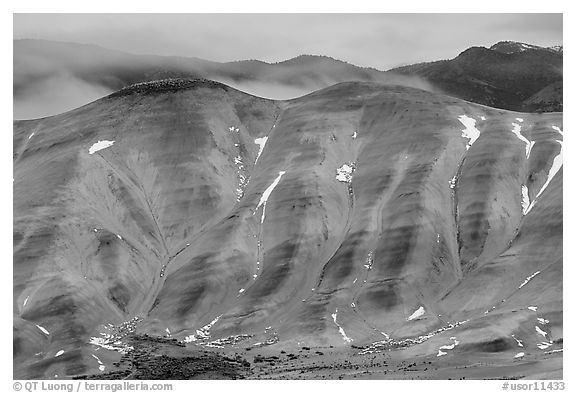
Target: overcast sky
[{"x": 377, "y": 40}]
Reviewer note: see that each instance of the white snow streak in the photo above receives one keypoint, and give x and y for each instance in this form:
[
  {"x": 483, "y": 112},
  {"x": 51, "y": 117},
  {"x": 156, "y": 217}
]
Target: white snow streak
[
  {"x": 99, "y": 146},
  {"x": 525, "y": 200},
  {"x": 556, "y": 165},
  {"x": 470, "y": 132},
  {"x": 519, "y": 355},
  {"x": 101, "y": 366},
  {"x": 529, "y": 144},
  {"x": 342, "y": 332},
  {"x": 261, "y": 142},
  {"x": 31, "y": 135},
  {"x": 267, "y": 193},
  {"x": 60, "y": 352},
  {"x": 416, "y": 314},
  {"x": 43, "y": 329},
  {"x": 540, "y": 331},
  {"x": 519, "y": 342},
  {"x": 556, "y": 128},
  {"x": 532, "y": 308},
  {"x": 25, "y": 301},
  {"x": 528, "y": 279}
]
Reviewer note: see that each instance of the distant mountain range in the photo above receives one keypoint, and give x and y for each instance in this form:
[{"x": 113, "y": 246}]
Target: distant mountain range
[
  {"x": 508, "y": 75},
  {"x": 52, "y": 77}
]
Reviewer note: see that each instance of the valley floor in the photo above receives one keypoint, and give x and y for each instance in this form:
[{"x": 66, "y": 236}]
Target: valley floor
[{"x": 159, "y": 358}]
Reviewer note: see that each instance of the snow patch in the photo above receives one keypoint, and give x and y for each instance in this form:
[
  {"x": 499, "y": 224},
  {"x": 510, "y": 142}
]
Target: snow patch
[
  {"x": 519, "y": 355},
  {"x": 519, "y": 119},
  {"x": 43, "y": 329},
  {"x": 31, "y": 135},
  {"x": 60, "y": 352},
  {"x": 241, "y": 290},
  {"x": 540, "y": 331},
  {"x": 261, "y": 142},
  {"x": 416, "y": 314},
  {"x": 202, "y": 333},
  {"x": 25, "y": 301},
  {"x": 470, "y": 132},
  {"x": 553, "y": 351},
  {"x": 369, "y": 262},
  {"x": 532, "y": 308},
  {"x": 452, "y": 182},
  {"x": 344, "y": 173},
  {"x": 543, "y": 321},
  {"x": 544, "y": 345},
  {"x": 355, "y": 135},
  {"x": 447, "y": 347},
  {"x": 99, "y": 146},
  {"x": 101, "y": 366}
]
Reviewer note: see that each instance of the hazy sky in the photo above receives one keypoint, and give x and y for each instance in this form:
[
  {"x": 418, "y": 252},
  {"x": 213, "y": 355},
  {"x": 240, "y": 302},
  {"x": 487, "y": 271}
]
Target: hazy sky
[{"x": 377, "y": 40}]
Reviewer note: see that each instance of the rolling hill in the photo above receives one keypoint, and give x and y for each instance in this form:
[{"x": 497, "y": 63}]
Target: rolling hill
[{"x": 362, "y": 218}]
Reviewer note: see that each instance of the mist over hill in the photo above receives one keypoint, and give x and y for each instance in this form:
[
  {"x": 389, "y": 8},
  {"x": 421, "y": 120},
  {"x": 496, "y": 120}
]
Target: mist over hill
[{"x": 53, "y": 77}]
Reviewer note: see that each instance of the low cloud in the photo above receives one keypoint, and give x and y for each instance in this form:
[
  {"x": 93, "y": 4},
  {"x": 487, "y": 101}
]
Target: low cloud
[{"x": 53, "y": 95}]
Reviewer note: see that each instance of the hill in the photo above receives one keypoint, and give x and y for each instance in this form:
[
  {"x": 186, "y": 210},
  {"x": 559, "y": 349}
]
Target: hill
[{"x": 378, "y": 216}]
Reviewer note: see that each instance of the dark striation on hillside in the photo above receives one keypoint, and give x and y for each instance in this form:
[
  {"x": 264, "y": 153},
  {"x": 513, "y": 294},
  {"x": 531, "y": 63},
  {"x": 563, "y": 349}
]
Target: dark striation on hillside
[{"x": 509, "y": 75}]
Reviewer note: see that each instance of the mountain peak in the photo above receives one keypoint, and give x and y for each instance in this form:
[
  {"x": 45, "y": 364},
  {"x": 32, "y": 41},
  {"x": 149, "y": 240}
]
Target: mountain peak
[{"x": 509, "y": 47}]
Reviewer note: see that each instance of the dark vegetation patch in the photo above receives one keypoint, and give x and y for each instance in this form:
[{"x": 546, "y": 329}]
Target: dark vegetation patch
[
  {"x": 167, "y": 86},
  {"x": 162, "y": 358}
]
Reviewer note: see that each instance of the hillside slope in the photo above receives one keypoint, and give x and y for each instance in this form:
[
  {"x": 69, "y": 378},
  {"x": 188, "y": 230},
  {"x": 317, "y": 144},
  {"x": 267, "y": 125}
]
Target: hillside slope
[{"x": 362, "y": 214}]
